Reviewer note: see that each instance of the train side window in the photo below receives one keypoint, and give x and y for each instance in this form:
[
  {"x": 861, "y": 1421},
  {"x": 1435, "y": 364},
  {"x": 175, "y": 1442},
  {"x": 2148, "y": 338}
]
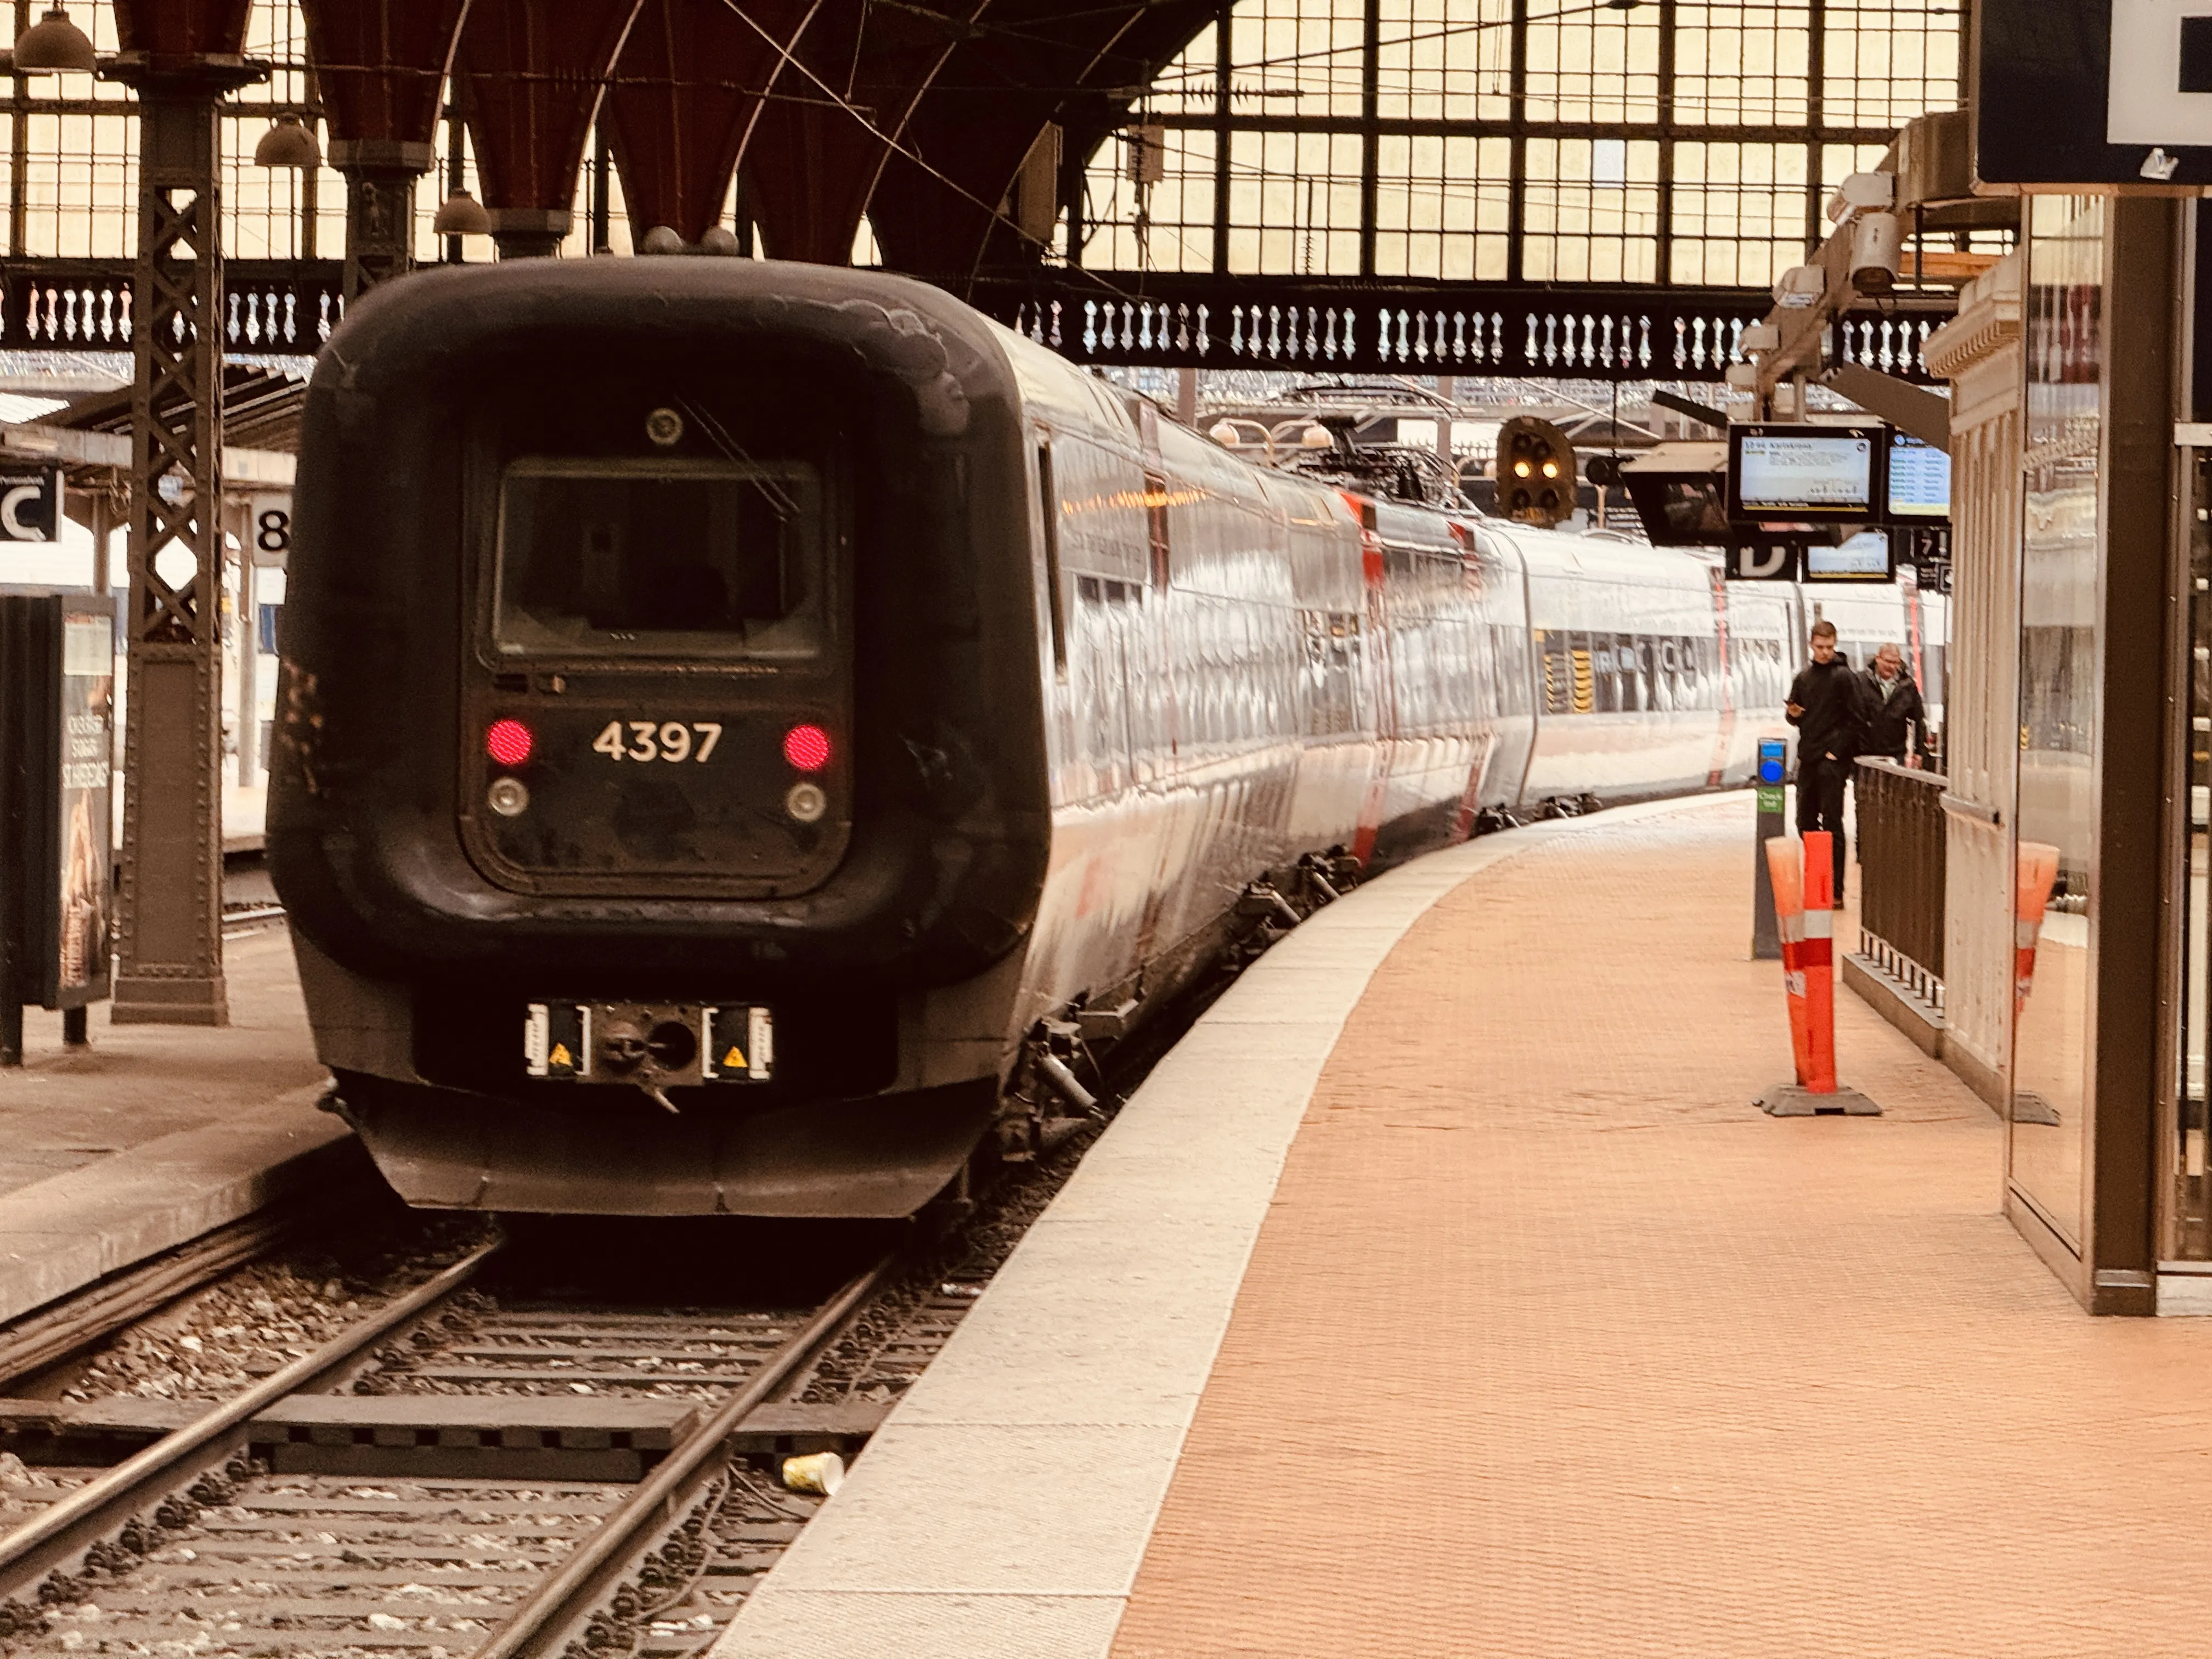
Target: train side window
[{"x": 1048, "y": 500}]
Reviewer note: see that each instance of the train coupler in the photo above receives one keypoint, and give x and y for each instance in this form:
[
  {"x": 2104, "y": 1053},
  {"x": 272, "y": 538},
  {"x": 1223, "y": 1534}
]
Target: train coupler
[
  {"x": 1329, "y": 875},
  {"x": 1265, "y": 899},
  {"x": 1033, "y": 1118}
]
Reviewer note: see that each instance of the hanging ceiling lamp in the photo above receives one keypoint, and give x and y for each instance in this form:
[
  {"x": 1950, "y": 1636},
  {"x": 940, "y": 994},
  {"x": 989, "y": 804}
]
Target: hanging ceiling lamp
[
  {"x": 53, "y": 46},
  {"x": 289, "y": 144},
  {"x": 461, "y": 215}
]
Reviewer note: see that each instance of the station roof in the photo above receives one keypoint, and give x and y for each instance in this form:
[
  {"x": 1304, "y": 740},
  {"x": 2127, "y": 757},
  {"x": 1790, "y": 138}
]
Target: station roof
[{"x": 918, "y": 113}]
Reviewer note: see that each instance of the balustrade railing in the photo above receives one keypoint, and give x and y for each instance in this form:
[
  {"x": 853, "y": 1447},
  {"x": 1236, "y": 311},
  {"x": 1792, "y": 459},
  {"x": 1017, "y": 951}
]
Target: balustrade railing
[
  {"x": 1901, "y": 857},
  {"x": 1476, "y": 329},
  {"x": 276, "y": 306},
  {"x": 1173, "y": 321}
]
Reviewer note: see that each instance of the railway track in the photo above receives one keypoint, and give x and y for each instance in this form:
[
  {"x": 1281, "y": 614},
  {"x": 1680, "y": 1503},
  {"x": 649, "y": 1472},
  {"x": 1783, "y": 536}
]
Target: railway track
[
  {"x": 469, "y": 1470},
  {"x": 454, "y": 1474}
]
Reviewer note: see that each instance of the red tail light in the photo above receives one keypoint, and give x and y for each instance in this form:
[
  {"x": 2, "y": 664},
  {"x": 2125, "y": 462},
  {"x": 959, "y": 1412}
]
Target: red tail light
[
  {"x": 508, "y": 742},
  {"x": 807, "y": 747}
]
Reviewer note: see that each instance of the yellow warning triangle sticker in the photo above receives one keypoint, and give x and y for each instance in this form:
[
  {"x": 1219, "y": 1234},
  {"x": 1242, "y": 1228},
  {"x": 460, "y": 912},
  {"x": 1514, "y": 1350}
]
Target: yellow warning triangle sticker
[
  {"x": 560, "y": 1056},
  {"x": 735, "y": 1061}
]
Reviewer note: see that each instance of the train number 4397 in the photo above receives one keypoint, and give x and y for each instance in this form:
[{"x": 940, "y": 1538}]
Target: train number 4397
[{"x": 663, "y": 740}]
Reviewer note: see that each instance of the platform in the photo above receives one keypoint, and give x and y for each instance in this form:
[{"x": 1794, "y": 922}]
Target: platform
[
  {"x": 156, "y": 1134},
  {"x": 1445, "y": 1293}
]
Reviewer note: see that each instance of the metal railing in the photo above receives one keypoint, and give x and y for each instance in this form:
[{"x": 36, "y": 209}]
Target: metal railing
[{"x": 1901, "y": 842}]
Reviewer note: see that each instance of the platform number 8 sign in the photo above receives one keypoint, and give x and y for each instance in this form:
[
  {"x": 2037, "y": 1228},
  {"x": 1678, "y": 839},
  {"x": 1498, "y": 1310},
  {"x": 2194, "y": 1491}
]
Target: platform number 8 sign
[{"x": 270, "y": 529}]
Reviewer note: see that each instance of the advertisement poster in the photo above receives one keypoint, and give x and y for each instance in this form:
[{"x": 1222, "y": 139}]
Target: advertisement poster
[{"x": 88, "y": 713}]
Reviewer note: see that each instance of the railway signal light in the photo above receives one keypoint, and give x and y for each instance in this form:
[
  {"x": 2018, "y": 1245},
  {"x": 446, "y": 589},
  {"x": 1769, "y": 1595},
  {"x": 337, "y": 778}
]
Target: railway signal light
[{"x": 1535, "y": 474}]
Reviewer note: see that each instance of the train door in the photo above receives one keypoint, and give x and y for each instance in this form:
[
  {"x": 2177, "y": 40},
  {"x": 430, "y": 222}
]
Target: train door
[
  {"x": 1148, "y": 637},
  {"x": 1377, "y": 702}
]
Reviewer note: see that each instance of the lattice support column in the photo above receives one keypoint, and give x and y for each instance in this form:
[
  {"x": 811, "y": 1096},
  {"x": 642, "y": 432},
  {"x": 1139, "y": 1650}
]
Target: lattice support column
[
  {"x": 381, "y": 176},
  {"x": 169, "y": 944}
]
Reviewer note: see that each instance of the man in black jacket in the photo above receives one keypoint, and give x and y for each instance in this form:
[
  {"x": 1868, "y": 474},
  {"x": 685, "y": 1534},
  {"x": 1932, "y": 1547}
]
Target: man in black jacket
[
  {"x": 1895, "y": 714},
  {"x": 1828, "y": 706}
]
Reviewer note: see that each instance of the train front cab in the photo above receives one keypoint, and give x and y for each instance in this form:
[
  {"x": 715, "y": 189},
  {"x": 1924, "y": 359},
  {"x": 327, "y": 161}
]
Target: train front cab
[{"x": 660, "y": 794}]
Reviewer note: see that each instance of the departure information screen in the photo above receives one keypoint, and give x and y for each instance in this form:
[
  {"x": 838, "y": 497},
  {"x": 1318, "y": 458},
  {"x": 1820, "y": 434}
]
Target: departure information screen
[
  {"x": 1919, "y": 479},
  {"x": 1803, "y": 471},
  {"x": 1864, "y": 557}
]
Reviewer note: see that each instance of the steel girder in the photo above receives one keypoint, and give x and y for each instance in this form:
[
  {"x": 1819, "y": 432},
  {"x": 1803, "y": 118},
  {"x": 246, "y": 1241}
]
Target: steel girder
[{"x": 180, "y": 56}]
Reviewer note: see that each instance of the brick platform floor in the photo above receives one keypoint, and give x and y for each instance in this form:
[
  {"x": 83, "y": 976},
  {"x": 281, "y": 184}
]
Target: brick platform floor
[{"x": 1553, "y": 1346}]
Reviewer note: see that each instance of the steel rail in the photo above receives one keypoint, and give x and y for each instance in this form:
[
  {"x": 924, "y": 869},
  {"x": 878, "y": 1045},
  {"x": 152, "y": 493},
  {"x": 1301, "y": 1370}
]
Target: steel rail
[
  {"x": 567, "y": 1596},
  {"x": 109, "y": 1500},
  {"x": 68, "y": 1326}
]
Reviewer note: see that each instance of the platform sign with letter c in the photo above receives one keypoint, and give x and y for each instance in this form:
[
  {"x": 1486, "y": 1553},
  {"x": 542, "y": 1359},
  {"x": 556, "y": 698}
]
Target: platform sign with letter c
[
  {"x": 269, "y": 528},
  {"x": 30, "y": 503}
]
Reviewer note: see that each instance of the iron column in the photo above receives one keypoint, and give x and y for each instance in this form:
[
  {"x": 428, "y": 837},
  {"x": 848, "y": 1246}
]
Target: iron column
[{"x": 169, "y": 920}]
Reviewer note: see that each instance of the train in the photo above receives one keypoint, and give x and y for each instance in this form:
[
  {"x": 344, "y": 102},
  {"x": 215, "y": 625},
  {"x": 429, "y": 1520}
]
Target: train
[{"x": 749, "y": 733}]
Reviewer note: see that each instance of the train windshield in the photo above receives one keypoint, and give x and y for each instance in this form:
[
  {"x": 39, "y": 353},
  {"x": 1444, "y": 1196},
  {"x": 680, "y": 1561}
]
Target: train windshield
[{"x": 666, "y": 558}]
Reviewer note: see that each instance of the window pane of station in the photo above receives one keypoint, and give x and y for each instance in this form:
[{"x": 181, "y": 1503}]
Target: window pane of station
[
  {"x": 1442, "y": 207},
  {"x": 1738, "y": 66},
  {"x": 1315, "y": 49},
  {"x": 1166, "y": 224},
  {"x": 1740, "y": 212},
  {"x": 1294, "y": 203},
  {"x": 1592, "y": 211},
  {"x": 1886, "y": 61},
  {"x": 1587, "y": 65},
  {"x": 1444, "y": 60},
  {"x": 73, "y": 164},
  {"x": 1188, "y": 85}
]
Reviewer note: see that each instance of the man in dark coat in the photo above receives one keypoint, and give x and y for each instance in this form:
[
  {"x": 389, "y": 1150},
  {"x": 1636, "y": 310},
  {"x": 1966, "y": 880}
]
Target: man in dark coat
[
  {"x": 1828, "y": 705},
  {"x": 1896, "y": 718}
]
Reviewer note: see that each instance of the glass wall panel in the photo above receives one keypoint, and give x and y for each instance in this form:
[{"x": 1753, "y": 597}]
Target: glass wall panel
[
  {"x": 1156, "y": 224},
  {"x": 1442, "y": 207},
  {"x": 1588, "y": 64},
  {"x": 2055, "y": 822},
  {"x": 1739, "y": 64},
  {"x": 1294, "y": 203},
  {"x": 1740, "y": 212},
  {"x": 1444, "y": 60},
  {"x": 1591, "y": 211},
  {"x": 1884, "y": 62},
  {"x": 1315, "y": 49},
  {"x": 2191, "y": 1232}
]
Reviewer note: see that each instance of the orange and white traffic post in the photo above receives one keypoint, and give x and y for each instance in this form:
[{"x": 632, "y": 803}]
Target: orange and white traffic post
[
  {"x": 1803, "y": 877},
  {"x": 2039, "y": 874},
  {"x": 1790, "y": 923}
]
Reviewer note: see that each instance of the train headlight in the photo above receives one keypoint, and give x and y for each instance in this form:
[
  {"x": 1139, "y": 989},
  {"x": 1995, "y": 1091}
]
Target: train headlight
[
  {"x": 508, "y": 797},
  {"x": 807, "y": 802},
  {"x": 508, "y": 741},
  {"x": 807, "y": 747}
]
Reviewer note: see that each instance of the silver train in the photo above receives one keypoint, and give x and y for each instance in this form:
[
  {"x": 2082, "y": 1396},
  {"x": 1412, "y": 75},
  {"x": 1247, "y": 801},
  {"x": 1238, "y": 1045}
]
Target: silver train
[{"x": 1070, "y": 701}]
